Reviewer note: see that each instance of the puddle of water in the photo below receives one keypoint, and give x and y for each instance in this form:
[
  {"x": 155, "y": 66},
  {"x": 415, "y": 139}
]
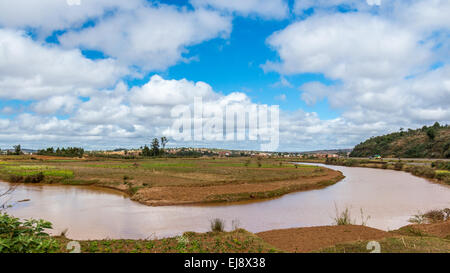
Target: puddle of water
[{"x": 388, "y": 197}]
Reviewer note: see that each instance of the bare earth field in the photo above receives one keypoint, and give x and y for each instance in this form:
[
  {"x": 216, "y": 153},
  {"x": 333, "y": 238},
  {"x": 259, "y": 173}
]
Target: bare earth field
[{"x": 173, "y": 181}]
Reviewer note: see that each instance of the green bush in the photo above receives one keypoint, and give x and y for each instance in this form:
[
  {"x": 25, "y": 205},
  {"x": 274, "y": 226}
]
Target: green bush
[
  {"x": 443, "y": 176},
  {"x": 351, "y": 162},
  {"x": 25, "y": 237},
  {"x": 30, "y": 178},
  {"x": 423, "y": 171},
  {"x": 217, "y": 225},
  {"x": 441, "y": 165},
  {"x": 398, "y": 166},
  {"x": 35, "y": 178},
  {"x": 15, "y": 178},
  {"x": 435, "y": 216}
]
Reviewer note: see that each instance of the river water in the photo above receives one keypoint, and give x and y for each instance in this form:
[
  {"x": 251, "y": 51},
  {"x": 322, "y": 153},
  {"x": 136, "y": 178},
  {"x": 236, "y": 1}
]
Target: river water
[{"x": 389, "y": 197}]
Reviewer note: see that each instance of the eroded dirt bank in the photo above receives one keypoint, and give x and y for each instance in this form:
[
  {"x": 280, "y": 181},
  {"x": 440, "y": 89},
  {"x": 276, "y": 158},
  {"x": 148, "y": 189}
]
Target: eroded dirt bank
[{"x": 166, "y": 196}]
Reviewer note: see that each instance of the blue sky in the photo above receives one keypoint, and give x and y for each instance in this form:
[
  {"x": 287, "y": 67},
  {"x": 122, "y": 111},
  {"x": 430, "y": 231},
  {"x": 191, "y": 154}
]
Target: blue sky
[
  {"x": 234, "y": 64},
  {"x": 106, "y": 74}
]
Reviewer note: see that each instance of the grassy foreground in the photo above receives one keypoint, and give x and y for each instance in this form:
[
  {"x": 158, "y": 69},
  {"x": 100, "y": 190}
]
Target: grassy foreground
[
  {"x": 402, "y": 244},
  {"x": 173, "y": 181},
  {"x": 238, "y": 241},
  {"x": 408, "y": 239},
  {"x": 29, "y": 236}
]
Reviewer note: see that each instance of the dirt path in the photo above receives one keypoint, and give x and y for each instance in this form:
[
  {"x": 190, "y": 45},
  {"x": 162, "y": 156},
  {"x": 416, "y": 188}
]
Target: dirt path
[{"x": 314, "y": 238}]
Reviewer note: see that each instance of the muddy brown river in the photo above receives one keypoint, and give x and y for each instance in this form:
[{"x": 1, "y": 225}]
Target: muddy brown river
[{"x": 388, "y": 197}]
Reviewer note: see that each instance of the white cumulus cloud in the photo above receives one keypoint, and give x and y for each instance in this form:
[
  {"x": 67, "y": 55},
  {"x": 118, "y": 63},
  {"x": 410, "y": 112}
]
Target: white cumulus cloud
[
  {"x": 272, "y": 9},
  {"x": 151, "y": 37},
  {"x": 30, "y": 70}
]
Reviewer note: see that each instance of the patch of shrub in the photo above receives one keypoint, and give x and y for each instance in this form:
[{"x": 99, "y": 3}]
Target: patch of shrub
[
  {"x": 398, "y": 166},
  {"x": 435, "y": 216},
  {"x": 343, "y": 218},
  {"x": 351, "y": 162},
  {"x": 443, "y": 176},
  {"x": 423, "y": 171},
  {"x": 133, "y": 190},
  {"x": 25, "y": 237},
  {"x": 15, "y": 178},
  {"x": 431, "y": 216},
  {"x": 35, "y": 178},
  {"x": 217, "y": 225},
  {"x": 441, "y": 165}
]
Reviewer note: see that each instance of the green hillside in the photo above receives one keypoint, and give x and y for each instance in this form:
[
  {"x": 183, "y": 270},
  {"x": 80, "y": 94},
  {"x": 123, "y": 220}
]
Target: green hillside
[{"x": 426, "y": 142}]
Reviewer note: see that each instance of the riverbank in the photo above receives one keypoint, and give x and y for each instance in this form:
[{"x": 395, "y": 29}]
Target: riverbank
[
  {"x": 347, "y": 238},
  {"x": 174, "y": 181},
  {"x": 437, "y": 171},
  {"x": 424, "y": 238}
]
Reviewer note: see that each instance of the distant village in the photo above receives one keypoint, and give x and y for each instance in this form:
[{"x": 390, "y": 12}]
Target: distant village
[
  {"x": 207, "y": 152},
  {"x": 235, "y": 153}
]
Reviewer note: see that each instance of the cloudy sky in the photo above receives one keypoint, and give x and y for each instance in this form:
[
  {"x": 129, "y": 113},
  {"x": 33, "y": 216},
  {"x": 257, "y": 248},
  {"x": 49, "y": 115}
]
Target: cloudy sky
[{"x": 105, "y": 74}]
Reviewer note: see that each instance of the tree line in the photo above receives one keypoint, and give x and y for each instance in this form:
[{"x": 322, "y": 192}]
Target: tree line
[
  {"x": 66, "y": 152},
  {"x": 156, "y": 147}
]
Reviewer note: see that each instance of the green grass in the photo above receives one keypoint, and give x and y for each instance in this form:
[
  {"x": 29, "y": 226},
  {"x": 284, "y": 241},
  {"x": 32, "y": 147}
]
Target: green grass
[
  {"x": 167, "y": 164},
  {"x": 55, "y": 173},
  {"x": 29, "y": 170},
  {"x": 121, "y": 166},
  {"x": 403, "y": 244},
  {"x": 239, "y": 241},
  {"x": 27, "y": 167}
]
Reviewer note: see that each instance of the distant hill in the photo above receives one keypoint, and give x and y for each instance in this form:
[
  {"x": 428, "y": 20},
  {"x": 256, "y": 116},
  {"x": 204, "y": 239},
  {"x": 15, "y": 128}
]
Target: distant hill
[
  {"x": 333, "y": 151},
  {"x": 426, "y": 142},
  {"x": 26, "y": 151}
]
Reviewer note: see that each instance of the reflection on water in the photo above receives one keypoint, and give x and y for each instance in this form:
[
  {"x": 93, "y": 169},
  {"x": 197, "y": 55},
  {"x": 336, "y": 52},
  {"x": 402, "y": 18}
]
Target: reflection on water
[{"x": 388, "y": 197}]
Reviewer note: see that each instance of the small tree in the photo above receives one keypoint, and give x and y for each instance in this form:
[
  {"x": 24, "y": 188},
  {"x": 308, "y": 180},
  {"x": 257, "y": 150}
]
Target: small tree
[
  {"x": 431, "y": 133},
  {"x": 436, "y": 125},
  {"x": 17, "y": 150},
  {"x": 155, "y": 147},
  {"x": 146, "y": 151},
  {"x": 164, "y": 141}
]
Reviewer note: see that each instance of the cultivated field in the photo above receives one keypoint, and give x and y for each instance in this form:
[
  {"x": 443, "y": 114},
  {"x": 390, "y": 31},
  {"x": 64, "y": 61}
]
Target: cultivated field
[{"x": 173, "y": 181}]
